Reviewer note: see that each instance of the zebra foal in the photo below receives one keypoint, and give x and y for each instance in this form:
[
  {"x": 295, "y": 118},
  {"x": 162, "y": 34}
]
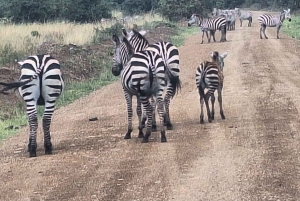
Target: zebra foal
[
  {"x": 209, "y": 75},
  {"x": 142, "y": 75},
  {"x": 41, "y": 83},
  {"x": 267, "y": 20}
]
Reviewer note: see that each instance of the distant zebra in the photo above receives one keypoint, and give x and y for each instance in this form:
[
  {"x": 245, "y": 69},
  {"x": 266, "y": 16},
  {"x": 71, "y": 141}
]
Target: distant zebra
[
  {"x": 170, "y": 55},
  {"x": 230, "y": 16},
  {"x": 244, "y": 15},
  {"x": 144, "y": 77},
  {"x": 209, "y": 75},
  {"x": 267, "y": 20},
  {"x": 41, "y": 83},
  {"x": 211, "y": 25}
]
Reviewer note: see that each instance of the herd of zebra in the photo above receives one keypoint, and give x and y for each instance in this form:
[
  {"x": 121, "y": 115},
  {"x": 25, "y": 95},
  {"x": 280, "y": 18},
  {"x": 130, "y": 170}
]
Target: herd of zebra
[
  {"x": 147, "y": 71},
  {"x": 224, "y": 20}
]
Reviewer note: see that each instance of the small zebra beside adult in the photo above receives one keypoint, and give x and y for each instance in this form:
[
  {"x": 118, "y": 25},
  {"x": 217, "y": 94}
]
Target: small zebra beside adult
[
  {"x": 209, "y": 75},
  {"x": 268, "y": 20},
  {"x": 210, "y": 25},
  {"x": 41, "y": 83}
]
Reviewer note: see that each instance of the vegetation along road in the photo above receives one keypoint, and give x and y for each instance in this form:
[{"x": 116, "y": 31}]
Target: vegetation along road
[{"x": 251, "y": 155}]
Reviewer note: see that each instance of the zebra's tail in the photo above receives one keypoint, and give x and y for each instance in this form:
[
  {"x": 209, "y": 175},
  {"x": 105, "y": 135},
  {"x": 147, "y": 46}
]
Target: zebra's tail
[
  {"x": 174, "y": 80},
  {"x": 16, "y": 85},
  {"x": 12, "y": 85}
]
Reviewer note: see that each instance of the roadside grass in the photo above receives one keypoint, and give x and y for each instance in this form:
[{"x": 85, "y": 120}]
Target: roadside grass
[
  {"x": 75, "y": 90},
  {"x": 292, "y": 28}
]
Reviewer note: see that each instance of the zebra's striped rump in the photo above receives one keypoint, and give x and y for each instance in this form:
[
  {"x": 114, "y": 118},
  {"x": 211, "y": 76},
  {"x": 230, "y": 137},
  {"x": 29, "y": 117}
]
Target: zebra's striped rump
[
  {"x": 41, "y": 83},
  {"x": 209, "y": 75}
]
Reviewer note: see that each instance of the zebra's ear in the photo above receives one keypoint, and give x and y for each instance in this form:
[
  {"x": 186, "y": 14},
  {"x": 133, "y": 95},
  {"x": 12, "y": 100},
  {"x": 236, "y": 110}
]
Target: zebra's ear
[
  {"x": 124, "y": 32},
  {"x": 143, "y": 32},
  {"x": 224, "y": 55},
  {"x": 289, "y": 10},
  {"x": 20, "y": 63},
  {"x": 116, "y": 40}
]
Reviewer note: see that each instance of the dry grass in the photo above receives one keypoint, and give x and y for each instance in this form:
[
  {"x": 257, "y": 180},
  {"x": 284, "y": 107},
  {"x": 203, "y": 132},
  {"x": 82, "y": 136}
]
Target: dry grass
[{"x": 19, "y": 36}]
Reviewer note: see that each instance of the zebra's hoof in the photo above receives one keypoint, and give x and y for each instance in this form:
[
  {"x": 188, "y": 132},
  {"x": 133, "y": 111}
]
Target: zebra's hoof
[
  {"x": 48, "y": 149},
  {"x": 169, "y": 126},
  {"x": 154, "y": 129},
  {"x": 127, "y": 136},
  {"x": 163, "y": 139},
  {"x": 32, "y": 152},
  {"x": 141, "y": 134},
  {"x": 201, "y": 121},
  {"x": 145, "y": 140}
]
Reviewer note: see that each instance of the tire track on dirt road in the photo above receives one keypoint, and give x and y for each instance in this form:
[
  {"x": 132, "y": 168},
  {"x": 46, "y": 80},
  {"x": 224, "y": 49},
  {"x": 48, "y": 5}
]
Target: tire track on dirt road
[{"x": 252, "y": 155}]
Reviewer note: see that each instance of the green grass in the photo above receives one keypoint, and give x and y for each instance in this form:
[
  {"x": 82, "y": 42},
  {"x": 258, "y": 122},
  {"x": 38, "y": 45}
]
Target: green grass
[
  {"x": 75, "y": 90},
  {"x": 292, "y": 28}
]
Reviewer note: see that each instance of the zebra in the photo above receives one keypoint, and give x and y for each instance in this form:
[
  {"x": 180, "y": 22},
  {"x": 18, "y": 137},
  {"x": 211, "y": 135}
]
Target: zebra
[
  {"x": 40, "y": 83},
  {"x": 229, "y": 15},
  {"x": 267, "y": 20},
  {"x": 244, "y": 15},
  {"x": 211, "y": 25},
  {"x": 209, "y": 75},
  {"x": 142, "y": 75},
  {"x": 170, "y": 55}
]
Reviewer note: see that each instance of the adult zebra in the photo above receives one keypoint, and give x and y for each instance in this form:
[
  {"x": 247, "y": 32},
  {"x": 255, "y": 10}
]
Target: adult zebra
[
  {"x": 267, "y": 20},
  {"x": 142, "y": 75},
  {"x": 170, "y": 56},
  {"x": 211, "y": 25},
  {"x": 244, "y": 15},
  {"x": 209, "y": 75},
  {"x": 41, "y": 83}
]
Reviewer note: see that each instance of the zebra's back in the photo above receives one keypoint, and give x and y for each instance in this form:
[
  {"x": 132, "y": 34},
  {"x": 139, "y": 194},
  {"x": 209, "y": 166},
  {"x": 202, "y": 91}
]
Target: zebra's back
[
  {"x": 214, "y": 23},
  {"x": 208, "y": 75},
  {"x": 268, "y": 20}
]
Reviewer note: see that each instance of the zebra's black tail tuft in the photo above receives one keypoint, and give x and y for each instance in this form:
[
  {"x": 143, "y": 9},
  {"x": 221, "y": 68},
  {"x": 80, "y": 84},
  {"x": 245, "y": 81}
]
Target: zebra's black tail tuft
[
  {"x": 12, "y": 85},
  {"x": 174, "y": 80}
]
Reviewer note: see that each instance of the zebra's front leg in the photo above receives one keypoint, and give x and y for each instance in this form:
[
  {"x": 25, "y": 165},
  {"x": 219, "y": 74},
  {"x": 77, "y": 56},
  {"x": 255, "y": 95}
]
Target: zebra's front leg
[
  {"x": 33, "y": 124},
  {"x": 278, "y": 28},
  {"x": 212, "y": 99},
  {"x": 263, "y": 29},
  {"x": 220, "y": 102},
  {"x": 212, "y": 33},
  {"x": 153, "y": 103},
  {"x": 148, "y": 108},
  {"x": 208, "y": 38},
  {"x": 241, "y": 22},
  {"x": 202, "y": 37},
  {"x": 161, "y": 112},
  {"x": 139, "y": 114},
  {"x": 128, "y": 98}
]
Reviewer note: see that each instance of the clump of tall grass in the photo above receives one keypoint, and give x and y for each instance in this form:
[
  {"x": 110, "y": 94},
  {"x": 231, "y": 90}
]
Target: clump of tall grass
[{"x": 292, "y": 28}]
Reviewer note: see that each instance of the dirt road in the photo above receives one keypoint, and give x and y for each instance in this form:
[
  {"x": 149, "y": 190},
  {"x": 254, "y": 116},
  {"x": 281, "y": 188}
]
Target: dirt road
[{"x": 252, "y": 155}]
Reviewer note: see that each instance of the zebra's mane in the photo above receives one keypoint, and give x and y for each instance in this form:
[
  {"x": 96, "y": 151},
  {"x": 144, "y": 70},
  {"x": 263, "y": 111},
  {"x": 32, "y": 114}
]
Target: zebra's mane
[
  {"x": 130, "y": 49},
  {"x": 140, "y": 36}
]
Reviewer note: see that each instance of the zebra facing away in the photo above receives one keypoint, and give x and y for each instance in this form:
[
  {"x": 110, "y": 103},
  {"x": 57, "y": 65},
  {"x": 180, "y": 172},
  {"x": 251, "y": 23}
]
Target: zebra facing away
[
  {"x": 211, "y": 25},
  {"x": 41, "y": 83},
  {"x": 209, "y": 75},
  {"x": 143, "y": 76},
  {"x": 244, "y": 15},
  {"x": 170, "y": 56},
  {"x": 267, "y": 20}
]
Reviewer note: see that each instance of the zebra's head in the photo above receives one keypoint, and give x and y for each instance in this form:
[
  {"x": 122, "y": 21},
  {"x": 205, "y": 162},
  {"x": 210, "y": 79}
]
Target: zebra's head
[
  {"x": 219, "y": 58},
  {"x": 194, "y": 20},
  {"x": 286, "y": 14},
  {"x": 122, "y": 54}
]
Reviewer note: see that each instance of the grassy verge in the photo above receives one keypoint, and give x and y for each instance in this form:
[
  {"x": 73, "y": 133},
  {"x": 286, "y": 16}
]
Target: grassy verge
[
  {"x": 75, "y": 89},
  {"x": 292, "y": 28}
]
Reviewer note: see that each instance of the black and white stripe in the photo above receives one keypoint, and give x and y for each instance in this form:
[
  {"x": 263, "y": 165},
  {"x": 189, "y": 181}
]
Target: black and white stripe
[
  {"x": 267, "y": 20},
  {"x": 143, "y": 76},
  {"x": 211, "y": 25},
  {"x": 244, "y": 15},
  {"x": 209, "y": 75},
  {"x": 41, "y": 83},
  {"x": 170, "y": 56}
]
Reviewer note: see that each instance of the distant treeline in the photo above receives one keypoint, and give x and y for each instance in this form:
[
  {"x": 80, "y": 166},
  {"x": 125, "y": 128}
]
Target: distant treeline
[{"x": 94, "y": 10}]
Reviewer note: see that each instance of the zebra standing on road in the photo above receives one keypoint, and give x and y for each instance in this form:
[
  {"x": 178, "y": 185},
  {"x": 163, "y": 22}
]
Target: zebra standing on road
[
  {"x": 244, "y": 15},
  {"x": 170, "y": 56},
  {"x": 144, "y": 77},
  {"x": 209, "y": 75},
  {"x": 211, "y": 25},
  {"x": 267, "y": 20},
  {"x": 41, "y": 83},
  {"x": 230, "y": 18}
]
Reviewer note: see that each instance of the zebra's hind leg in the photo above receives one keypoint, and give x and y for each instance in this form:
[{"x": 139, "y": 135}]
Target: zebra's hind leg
[
  {"x": 206, "y": 98},
  {"x": 33, "y": 124},
  {"x": 201, "y": 93},
  {"x": 139, "y": 114},
  {"x": 128, "y": 98},
  {"x": 153, "y": 103},
  {"x": 212, "y": 98},
  {"x": 161, "y": 112},
  {"x": 148, "y": 108},
  {"x": 220, "y": 102},
  {"x": 46, "y": 127}
]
